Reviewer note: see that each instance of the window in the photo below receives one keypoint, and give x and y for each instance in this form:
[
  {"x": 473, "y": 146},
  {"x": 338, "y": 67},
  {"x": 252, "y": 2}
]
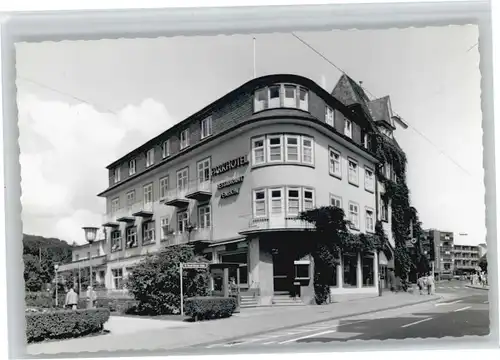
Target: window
[
  {"x": 369, "y": 180},
  {"x": 384, "y": 210},
  {"x": 131, "y": 167},
  {"x": 130, "y": 198},
  {"x": 148, "y": 194},
  {"x": 150, "y": 157},
  {"x": 368, "y": 270},
  {"x": 353, "y": 172},
  {"x": 370, "y": 220},
  {"x": 260, "y": 100},
  {"x": 274, "y": 96},
  {"x": 354, "y": 215},
  {"x": 292, "y": 148},
  {"x": 115, "y": 205},
  {"x": 182, "y": 221},
  {"x": 163, "y": 187},
  {"x": 350, "y": 262},
  {"x": 165, "y": 149},
  {"x": 335, "y": 168},
  {"x": 329, "y": 116},
  {"x": 182, "y": 180},
  {"x": 206, "y": 127},
  {"x": 116, "y": 175},
  {"x": 365, "y": 141},
  {"x": 88, "y": 255},
  {"x": 303, "y": 101},
  {"x": 276, "y": 198},
  {"x": 290, "y": 99},
  {"x": 204, "y": 171},
  {"x": 302, "y": 269},
  {"x": 148, "y": 232},
  {"x": 293, "y": 202},
  {"x": 259, "y": 203},
  {"x": 116, "y": 240},
  {"x": 204, "y": 217},
  {"x": 258, "y": 155},
  {"x": 131, "y": 237},
  {"x": 275, "y": 148},
  {"x": 348, "y": 128},
  {"x": 117, "y": 274},
  {"x": 77, "y": 257},
  {"x": 308, "y": 199},
  {"x": 307, "y": 150},
  {"x": 165, "y": 229},
  {"x": 184, "y": 139},
  {"x": 335, "y": 201}
]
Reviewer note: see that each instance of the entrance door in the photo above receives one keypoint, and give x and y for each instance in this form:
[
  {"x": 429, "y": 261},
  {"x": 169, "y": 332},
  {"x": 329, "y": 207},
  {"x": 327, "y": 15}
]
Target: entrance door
[{"x": 283, "y": 270}]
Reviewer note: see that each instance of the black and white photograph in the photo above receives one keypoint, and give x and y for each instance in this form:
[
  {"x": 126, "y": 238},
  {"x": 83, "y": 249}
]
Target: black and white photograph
[{"x": 252, "y": 192}]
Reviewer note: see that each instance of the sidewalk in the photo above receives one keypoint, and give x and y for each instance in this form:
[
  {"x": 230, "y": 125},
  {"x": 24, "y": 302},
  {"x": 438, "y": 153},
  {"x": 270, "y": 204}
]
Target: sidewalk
[
  {"x": 479, "y": 287},
  {"x": 248, "y": 323}
]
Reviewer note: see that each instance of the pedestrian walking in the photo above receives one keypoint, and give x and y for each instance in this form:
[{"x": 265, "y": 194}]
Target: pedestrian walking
[
  {"x": 430, "y": 283},
  {"x": 71, "y": 299}
]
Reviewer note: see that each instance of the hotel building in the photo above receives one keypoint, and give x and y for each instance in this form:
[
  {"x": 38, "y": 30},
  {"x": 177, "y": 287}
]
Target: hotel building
[{"x": 233, "y": 177}]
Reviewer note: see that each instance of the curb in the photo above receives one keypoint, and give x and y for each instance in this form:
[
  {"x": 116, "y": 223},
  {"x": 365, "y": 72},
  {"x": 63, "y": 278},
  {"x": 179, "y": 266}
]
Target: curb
[
  {"x": 477, "y": 287},
  {"x": 313, "y": 322}
]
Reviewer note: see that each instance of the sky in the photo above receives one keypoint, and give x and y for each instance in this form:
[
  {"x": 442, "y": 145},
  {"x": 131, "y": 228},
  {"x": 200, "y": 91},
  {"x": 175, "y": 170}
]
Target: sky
[{"x": 83, "y": 104}]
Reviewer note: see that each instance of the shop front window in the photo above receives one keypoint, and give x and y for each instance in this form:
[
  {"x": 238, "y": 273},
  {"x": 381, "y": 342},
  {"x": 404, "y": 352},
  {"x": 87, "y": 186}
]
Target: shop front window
[
  {"x": 349, "y": 262},
  {"x": 241, "y": 259},
  {"x": 368, "y": 271}
]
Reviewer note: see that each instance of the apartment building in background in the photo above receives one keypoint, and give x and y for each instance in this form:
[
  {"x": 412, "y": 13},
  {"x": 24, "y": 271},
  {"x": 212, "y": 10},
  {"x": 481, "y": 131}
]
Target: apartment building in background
[
  {"x": 232, "y": 179},
  {"x": 466, "y": 259},
  {"x": 440, "y": 244}
]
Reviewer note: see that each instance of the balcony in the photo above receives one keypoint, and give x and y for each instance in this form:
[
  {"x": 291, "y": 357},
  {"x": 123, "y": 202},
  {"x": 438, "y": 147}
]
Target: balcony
[
  {"x": 177, "y": 198},
  {"x": 200, "y": 190},
  {"x": 142, "y": 209},
  {"x": 281, "y": 223},
  {"x": 177, "y": 238},
  {"x": 83, "y": 263}
]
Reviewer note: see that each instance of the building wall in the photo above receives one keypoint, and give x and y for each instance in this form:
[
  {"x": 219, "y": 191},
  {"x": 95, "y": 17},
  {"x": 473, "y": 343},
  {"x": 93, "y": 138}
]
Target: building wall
[
  {"x": 466, "y": 257},
  {"x": 82, "y": 252},
  {"x": 239, "y": 208}
]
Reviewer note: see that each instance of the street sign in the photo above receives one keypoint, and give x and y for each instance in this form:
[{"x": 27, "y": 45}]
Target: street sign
[
  {"x": 409, "y": 243},
  {"x": 194, "y": 265},
  {"x": 413, "y": 241}
]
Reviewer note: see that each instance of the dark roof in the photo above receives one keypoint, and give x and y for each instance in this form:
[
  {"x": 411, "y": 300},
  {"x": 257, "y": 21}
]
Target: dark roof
[
  {"x": 249, "y": 86},
  {"x": 349, "y": 92}
]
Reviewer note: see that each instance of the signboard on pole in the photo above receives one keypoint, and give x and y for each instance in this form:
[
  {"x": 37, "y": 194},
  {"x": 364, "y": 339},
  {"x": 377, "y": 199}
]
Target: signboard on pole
[
  {"x": 195, "y": 265},
  {"x": 184, "y": 266}
]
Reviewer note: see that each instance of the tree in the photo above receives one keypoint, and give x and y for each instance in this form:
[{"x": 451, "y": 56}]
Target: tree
[
  {"x": 333, "y": 238},
  {"x": 155, "y": 281},
  {"x": 483, "y": 263}
]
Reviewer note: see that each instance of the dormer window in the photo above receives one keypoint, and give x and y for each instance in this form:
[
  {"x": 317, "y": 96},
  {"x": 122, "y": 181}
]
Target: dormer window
[
  {"x": 116, "y": 175},
  {"x": 150, "y": 157},
  {"x": 184, "y": 139},
  {"x": 165, "y": 149},
  {"x": 206, "y": 127},
  {"x": 281, "y": 95},
  {"x": 131, "y": 167},
  {"x": 348, "y": 128}
]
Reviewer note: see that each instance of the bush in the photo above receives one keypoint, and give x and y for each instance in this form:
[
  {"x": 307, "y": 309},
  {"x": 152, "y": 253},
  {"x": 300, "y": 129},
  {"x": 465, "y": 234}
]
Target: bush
[
  {"x": 61, "y": 324},
  {"x": 43, "y": 300},
  {"x": 204, "y": 308},
  {"x": 119, "y": 305},
  {"x": 154, "y": 282}
]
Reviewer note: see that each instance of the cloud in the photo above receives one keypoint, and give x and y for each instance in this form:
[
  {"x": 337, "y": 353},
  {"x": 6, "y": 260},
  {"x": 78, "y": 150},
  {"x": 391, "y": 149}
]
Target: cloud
[{"x": 64, "y": 151}]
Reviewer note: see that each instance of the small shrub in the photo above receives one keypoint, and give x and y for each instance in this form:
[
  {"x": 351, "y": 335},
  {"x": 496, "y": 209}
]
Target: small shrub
[
  {"x": 119, "y": 305},
  {"x": 43, "y": 300},
  {"x": 61, "y": 324},
  {"x": 204, "y": 308}
]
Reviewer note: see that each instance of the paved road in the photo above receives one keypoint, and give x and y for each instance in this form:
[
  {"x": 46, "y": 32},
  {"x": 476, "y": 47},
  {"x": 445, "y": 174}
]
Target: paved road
[{"x": 463, "y": 316}]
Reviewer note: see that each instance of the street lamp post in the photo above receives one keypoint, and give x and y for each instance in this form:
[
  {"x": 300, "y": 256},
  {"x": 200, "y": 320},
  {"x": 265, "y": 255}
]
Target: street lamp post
[
  {"x": 56, "y": 267},
  {"x": 90, "y": 236}
]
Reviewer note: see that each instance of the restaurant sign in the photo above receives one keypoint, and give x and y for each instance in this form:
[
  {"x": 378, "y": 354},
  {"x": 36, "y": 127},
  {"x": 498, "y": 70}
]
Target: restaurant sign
[
  {"x": 229, "y": 165},
  {"x": 231, "y": 182}
]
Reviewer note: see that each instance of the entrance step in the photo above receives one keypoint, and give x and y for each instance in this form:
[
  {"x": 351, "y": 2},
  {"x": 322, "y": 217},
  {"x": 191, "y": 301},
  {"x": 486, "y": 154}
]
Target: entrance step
[
  {"x": 286, "y": 300},
  {"x": 248, "y": 301}
]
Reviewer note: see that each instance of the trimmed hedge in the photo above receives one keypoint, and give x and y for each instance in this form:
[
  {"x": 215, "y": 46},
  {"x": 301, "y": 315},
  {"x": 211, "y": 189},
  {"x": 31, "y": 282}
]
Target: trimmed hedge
[
  {"x": 119, "y": 305},
  {"x": 63, "y": 324},
  {"x": 205, "y": 308}
]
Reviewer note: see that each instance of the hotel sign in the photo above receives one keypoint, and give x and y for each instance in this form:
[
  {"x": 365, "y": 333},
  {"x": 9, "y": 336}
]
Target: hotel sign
[{"x": 229, "y": 165}]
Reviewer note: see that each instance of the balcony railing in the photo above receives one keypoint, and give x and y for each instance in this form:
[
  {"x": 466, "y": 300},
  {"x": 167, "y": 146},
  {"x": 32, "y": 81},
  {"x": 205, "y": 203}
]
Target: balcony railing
[
  {"x": 200, "y": 190},
  {"x": 276, "y": 224},
  {"x": 177, "y": 197},
  {"x": 95, "y": 261},
  {"x": 128, "y": 214},
  {"x": 177, "y": 238}
]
